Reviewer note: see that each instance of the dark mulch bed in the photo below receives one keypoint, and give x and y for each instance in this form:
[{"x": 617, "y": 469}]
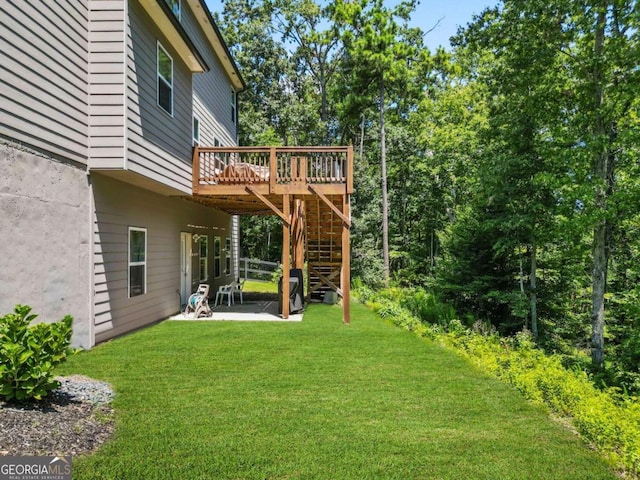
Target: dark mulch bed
[{"x": 57, "y": 425}]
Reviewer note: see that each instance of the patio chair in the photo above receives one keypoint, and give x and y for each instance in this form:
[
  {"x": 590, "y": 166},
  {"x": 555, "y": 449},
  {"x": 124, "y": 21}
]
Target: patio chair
[
  {"x": 198, "y": 303},
  {"x": 238, "y": 286},
  {"x": 222, "y": 291}
]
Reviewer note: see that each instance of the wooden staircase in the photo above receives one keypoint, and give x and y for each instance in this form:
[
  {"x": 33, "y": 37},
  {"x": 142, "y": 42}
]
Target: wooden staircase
[{"x": 323, "y": 246}]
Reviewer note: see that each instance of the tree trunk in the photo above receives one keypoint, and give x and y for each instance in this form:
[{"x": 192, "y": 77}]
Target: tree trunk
[
  {"x": 598, "y": 284},
  {"x": 533, "y": 295},
  {"x": 432, "y": 254},
  {"x": 361, "y": 139},
  {"x": 599, "y": 272},
  {"x": 385, "y": 201}
]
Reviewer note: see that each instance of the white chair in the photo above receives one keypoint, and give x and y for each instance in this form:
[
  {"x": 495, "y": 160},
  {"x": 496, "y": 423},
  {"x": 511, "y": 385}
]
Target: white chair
[
  {"x": 222, "y": 291},
  {"x": 237, "y": 288}
]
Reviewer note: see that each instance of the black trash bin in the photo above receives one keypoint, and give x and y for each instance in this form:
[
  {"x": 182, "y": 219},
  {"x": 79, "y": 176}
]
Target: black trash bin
[{"x": 296, "y": 288}]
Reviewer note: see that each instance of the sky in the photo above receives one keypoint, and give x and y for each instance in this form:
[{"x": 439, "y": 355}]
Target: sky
[{"x": 449, "y": 13}]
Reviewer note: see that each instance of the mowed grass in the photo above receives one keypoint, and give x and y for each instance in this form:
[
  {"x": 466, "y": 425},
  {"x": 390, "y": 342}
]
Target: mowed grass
[
  {"x": 260, "y": 286},
  {"x": 315, "y": 400}
]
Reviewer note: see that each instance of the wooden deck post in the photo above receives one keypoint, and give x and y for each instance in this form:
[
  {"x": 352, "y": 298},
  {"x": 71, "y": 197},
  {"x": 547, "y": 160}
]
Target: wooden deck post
[
  {"x": 286, "y": 264},
  {"x": 273, "y": 169},
  {"x": 195, "y": 173},
  {"x": 345, "y": 274},
  {"x": 298, "y": 233}
]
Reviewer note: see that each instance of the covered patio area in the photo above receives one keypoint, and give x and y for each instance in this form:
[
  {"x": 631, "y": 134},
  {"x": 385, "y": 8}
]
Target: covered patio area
[
  {"x": 308, "y": 188},
  {"x": 256, "y": 307}
]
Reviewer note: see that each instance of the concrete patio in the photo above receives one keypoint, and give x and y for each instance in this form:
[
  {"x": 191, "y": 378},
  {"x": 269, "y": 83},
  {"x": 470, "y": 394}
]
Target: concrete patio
[{"x": 255, "y": 308}]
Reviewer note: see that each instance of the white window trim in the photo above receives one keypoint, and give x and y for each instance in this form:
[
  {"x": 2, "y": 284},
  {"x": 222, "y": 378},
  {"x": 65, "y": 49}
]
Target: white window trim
[
  {"x": 195, "y": 138},
  {"x": 159, "y": 76},
  {"x": 136, "y": 264},
  {"x": 234, "y": 107}
]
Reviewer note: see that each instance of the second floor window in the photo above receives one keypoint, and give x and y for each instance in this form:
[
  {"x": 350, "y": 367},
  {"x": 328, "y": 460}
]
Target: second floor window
[
  {"x": 196, "y": 131},
  {"x": 174, "y": 5},
  {"x": 234, "y": 113},
  {"x": 165, "y": 80}
]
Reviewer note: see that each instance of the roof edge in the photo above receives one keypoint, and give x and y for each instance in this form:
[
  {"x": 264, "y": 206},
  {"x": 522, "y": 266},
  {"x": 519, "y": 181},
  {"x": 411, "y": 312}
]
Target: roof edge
[{"x": 215, "y": 38}]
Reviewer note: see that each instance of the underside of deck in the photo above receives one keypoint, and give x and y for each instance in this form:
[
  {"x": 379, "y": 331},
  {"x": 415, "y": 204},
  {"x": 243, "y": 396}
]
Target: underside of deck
[{"x": 309, "y": 188}]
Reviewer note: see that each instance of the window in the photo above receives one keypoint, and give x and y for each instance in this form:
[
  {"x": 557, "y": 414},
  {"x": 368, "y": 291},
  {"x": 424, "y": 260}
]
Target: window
[
  {"x": 227, "y": 259},
  {"x": 165, "y": 80},
  {"x": 196, "y": 131},
  {"x": 174, "y": 5},
  {"x": 204, "y": 258},
  {"x": 137, "y": 261},
  {"x": 233, "y": 106},
  {"x": 216, "y": 257}
]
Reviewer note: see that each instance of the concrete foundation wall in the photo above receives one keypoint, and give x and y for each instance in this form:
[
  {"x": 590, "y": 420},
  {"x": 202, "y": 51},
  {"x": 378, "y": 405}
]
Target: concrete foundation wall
[{"x": 45, "y": 235}]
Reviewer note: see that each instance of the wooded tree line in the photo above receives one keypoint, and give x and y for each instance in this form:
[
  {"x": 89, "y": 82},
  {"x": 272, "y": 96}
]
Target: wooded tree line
[{"x": 503, "y": 175}]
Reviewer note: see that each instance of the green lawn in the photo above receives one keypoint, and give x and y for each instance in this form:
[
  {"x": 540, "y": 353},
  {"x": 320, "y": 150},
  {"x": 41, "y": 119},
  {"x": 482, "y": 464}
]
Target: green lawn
[
  {"x": 315, "y": 400},
  {"x": 260, "y": 287}
]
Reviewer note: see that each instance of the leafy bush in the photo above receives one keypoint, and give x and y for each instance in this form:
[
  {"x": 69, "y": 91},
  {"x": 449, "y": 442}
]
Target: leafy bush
[
  {"x": 605, "y": 418},
  {"x": 28, "y": 354}
]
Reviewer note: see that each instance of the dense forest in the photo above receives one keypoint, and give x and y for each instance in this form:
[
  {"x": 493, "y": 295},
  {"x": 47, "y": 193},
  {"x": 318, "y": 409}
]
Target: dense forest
[{"x": 503, "y": 175}]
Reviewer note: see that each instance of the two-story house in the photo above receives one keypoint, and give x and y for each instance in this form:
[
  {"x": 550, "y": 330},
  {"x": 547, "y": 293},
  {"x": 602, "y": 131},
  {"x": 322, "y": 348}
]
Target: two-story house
[{"x": 101, "y": 103}]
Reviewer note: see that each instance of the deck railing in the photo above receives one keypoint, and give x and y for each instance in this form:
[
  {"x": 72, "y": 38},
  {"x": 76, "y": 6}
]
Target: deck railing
[{"x": 272, "y": 166}]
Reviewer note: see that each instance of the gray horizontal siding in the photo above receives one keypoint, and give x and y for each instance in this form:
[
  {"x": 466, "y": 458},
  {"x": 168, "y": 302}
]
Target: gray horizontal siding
[
  {"x": 118, "y": 206},
  {"x": 159, "y": 145},
  {"x": 107, "y": 49},
  {"x": 211, "y": 90},
  {"x": 43, "y": 75}
]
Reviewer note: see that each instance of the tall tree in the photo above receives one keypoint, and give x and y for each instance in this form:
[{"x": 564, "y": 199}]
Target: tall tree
[
  {"x": 583, "y": 54},
  {"x": 315, "y": 39},
  {"x": 605, "y": 61},
  {"x": 278, "y": 104},
  {"x": 382, "y": 56}
]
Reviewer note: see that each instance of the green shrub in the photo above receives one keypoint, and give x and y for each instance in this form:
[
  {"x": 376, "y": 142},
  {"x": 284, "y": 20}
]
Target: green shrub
[
  {"x": 428, "y": 308},
  {"x": 607, "y": 419},
  {"x": 28, "y": 354}
]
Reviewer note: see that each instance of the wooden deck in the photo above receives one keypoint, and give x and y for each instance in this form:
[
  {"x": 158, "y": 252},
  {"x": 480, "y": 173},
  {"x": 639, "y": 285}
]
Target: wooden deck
[{"x": 309, "y": 188}]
